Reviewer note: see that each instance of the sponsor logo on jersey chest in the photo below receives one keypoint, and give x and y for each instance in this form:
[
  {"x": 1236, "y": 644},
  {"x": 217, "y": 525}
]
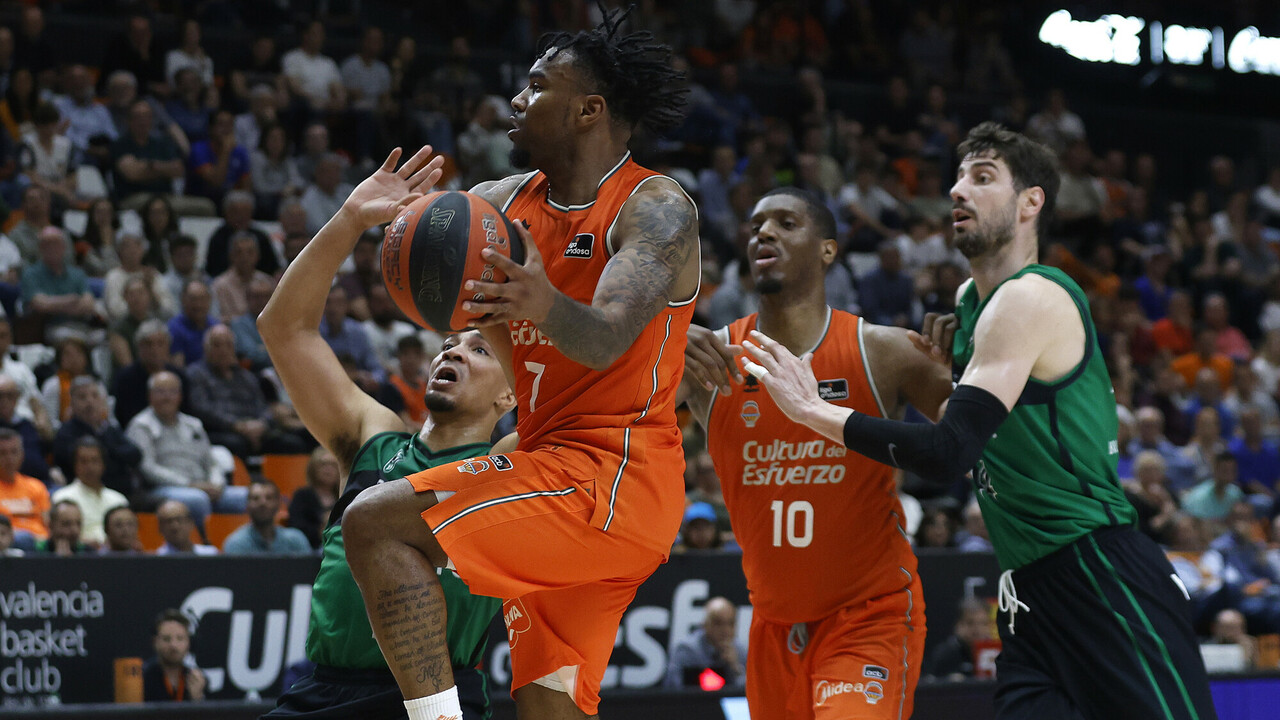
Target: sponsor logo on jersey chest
[
  {"x": 580, "y": 246},
  {"x": 833, "y": 389}
]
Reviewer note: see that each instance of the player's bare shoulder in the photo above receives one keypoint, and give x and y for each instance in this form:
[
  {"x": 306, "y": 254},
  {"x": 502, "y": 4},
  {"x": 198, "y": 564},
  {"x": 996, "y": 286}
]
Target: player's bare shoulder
[
  {"x": 1034, "y": 314},
  {"x": 499, "y": 192},
  {"x": 659, "y": 224},
  {"x": 901, "y": 372}
]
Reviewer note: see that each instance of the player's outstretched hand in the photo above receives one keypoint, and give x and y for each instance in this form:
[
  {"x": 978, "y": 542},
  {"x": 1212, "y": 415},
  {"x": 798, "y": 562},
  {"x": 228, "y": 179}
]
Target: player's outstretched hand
[
  {"x": 382, "y": 195},
  {"x": 789, "y": 379},
  {"x": 709, "y": 361},
  {"x": 526, "y": 295},
  {"x": 934, "y": 338}
]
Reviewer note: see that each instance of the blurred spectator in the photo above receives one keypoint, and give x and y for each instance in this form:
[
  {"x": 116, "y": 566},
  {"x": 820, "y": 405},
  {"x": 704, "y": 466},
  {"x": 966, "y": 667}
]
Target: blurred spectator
[
  {"x": 262, "y": 114},
  {"x": 1151, "y": 497},
  {"x": 273, "y": 173},
  {"x": 24, "y": 499},
  {"x": 191, "y": 105},
  {"x": 231, "y": 288},
  {"x": 88, "y": 490},
  {"x": 1081, "y": 200},
  {"x": 32, "y": 462},
  {"x": 71, "y": 360},
  {"x": 887, "y": 294},
  {"x": 139, "y": 307},
  {"x": 122, "y": 93},
  {"x": 259, "y": 68},
  {"x": 713, "y": 647},
  {"x": 1222, "y": 182},
  {"x": 57, "y": 292},
  {"x": 1208, "y": 394},
  {"x": 28, "y": 404},
  {"x": 952, "y": 659},
  {"x": 1228, "y": 340},
  {"x": 1267, "y": 364},
  {"x": 385, "y": 328},
  {"x": 146, "y": 163},
  {"x": 91, "y": 418},
  {"x": 1153, "y": 288},
  {"x": 160, "y": 302},
  {"x": 1055, "y": 125},
  {"x": 1205, "y": 356},
  {"x": 18, "y": 104},
  {"x": 484, "y": 150},
  {"x": 87, "y": 120},
  {"x": 6, "y": 538},
  {"x": 66, "y": 523},
  {"x": 1246, "y": 393},
  {"x": 698, "y": 531},
  {"x": 347, "y": 337},
  {"x": 227, "y": 399},
  {"x": 136, "y": 52},
  {"x": 1202, "y": 580},
  {"x": 313, "y": 78},
  {"x": 160, "y": 230},
  {"x": 405, "y": 389},
  {"x": 169, "y": 676},
  {"x": 47, "y": 157},
  {"x": 973, "y": 538},
  {"x": 920, "y": 247},
  {"x": 1267, "y": 198},
  {"x": 177, "y": 459},
  {"x": 364, "y": 274},
  {"x": 926, "y": 47},
  {"x": 937, "y": 529},
  {"x": 1173, "y": 333},
  {"x": 35, "y": 218},
  {"x": 930, "y": 201},
  {"x": 32, "y": 47},
  {"x": 714, "y": 183},
  {"x": 249, "y": 345},
  {"x": 315, "y": 146},
  {"x": 1238, "y": 556},
  {"x": 121, "y": 530},
  {"x": 261, "y": 535},
  {"x": 183, "y": 269},
  {"x": 95, "y": 250},
  {"x": 1258, "y": 459},
  {"x": 1213, "y": 499},
  {"x": 704, "y": 487},
  {"x": 736, "y": 112},
  {"x": 189, "y": 54},
  {"x": 456, "y": 84},
  {"x": 1206, "y": 442},
  {"x": 176, "y": 523},
  {"x": 188, "y": 327},
  {"x": 1229, "y": 629},
  {"x": 218, "y": 163},
  {"x": 324, "y": 197},
  {"x": 367, "y": 81},
  {"x": 869, "y": 208},
  {"x": 130, "y": 389},
  {"x": 311, "y": 504}
]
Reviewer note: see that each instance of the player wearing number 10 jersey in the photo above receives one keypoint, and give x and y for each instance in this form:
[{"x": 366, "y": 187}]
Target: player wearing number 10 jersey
[{"x": 838, "y": 625}]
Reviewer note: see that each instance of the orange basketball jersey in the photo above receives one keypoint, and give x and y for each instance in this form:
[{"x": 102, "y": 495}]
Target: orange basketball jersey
[
  {"x": 624, "y": 415},
  {"x": 821, "y": 527}
]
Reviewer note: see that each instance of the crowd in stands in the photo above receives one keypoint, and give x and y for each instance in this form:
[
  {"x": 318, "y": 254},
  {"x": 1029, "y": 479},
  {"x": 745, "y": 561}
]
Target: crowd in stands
[{"x": 154, "y": 195}]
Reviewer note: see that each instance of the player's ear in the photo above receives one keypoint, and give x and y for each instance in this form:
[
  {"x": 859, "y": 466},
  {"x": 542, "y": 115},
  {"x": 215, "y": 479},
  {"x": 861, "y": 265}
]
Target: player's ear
[
  {"x": 506, "y": 402},
  {"x": 827, "y": 251},
  {"x": 1031, "y": 201},
  {"x": 593, "y": 109}
]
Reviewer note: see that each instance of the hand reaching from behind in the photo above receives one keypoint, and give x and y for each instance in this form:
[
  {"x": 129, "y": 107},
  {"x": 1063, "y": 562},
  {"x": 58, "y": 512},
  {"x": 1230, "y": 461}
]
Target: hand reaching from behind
[{"x": 382, "y": 195}]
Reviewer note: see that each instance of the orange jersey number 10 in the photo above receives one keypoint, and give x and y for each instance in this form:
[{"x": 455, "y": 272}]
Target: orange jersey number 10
[{"x": 796, "y": 536}]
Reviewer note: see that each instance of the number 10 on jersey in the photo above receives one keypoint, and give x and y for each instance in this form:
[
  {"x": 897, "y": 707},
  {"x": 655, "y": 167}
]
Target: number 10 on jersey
[{"x": 798, "y": 523}]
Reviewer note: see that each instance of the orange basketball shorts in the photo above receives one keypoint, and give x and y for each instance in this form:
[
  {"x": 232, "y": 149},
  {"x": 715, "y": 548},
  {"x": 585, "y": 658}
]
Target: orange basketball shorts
[
  {"x": 859, "y": 662},
  {"x": 518, "y": 527}
]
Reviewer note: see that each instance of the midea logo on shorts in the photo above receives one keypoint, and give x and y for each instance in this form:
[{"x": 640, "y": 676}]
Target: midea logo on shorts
[{"x": 824, "y": 691}]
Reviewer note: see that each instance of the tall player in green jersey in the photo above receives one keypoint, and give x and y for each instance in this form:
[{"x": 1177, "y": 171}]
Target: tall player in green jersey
[
  {"x": 467, "y": 393},
  {"x": 1102, "y": 626}
]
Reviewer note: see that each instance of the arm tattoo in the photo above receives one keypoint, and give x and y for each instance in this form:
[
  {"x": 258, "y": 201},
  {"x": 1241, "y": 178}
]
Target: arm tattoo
[{"x": 660, "y": 237}]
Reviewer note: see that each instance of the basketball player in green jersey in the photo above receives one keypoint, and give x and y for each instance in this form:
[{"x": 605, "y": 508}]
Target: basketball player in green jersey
[
  {"x": 467, "y": 393},
  {"x": 1098, "y": 624}
]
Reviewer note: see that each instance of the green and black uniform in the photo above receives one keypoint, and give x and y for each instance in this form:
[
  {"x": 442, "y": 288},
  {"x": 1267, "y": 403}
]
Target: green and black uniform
[
  {"x": 1099, "y": 626},
  {"x": 351, "y": 679}
]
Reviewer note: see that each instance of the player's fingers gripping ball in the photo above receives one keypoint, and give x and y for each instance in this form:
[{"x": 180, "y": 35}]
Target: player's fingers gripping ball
[{"x": 433, "y": 248}]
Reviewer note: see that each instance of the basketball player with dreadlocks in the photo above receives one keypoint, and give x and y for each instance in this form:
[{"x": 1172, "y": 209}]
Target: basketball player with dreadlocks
[{"x": 592, "y": 331}]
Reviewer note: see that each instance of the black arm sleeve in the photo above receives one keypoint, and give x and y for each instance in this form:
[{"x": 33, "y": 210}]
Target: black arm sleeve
[{"x": 938, "y": 452}]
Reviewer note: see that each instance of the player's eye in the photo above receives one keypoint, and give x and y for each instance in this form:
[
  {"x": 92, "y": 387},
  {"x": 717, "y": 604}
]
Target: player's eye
[
  {"x": 482, "y": 350},
  {"x": 755, "y": 229}
]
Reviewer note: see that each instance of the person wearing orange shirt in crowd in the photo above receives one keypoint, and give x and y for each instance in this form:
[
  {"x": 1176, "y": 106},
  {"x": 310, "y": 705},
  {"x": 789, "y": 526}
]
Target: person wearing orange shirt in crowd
[
  {"x": 1173, "y": 333},
  {"x": 24, "y": 499},
  {"x": 405, "y": 391},
  {"x": 1205, "y": 355},
  {"x": 833, "y": 631}
]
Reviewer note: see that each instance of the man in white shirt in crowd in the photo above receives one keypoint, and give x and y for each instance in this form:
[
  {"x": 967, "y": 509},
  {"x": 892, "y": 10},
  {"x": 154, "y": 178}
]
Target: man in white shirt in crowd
[{"x": 87, "y": 491}]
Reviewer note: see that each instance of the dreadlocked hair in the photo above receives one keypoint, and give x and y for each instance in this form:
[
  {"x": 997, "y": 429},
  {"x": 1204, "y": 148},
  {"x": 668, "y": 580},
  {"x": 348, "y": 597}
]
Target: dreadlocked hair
[{"x": 632, "y": 72}]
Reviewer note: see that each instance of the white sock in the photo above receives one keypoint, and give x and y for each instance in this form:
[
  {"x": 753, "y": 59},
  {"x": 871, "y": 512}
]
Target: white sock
[{"x": 441, "y": 706}]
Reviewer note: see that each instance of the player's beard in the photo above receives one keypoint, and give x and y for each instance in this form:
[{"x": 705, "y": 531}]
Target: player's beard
[
  {"x": 437, "y": 403},
  {"x": 989, "y": 237}
]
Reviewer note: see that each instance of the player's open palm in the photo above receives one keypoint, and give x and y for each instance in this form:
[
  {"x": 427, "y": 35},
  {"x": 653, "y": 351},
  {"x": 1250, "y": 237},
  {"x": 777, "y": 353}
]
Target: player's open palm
[
  {"x": 789, "y": 379},
  {"x": 382, "y": 195}
]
